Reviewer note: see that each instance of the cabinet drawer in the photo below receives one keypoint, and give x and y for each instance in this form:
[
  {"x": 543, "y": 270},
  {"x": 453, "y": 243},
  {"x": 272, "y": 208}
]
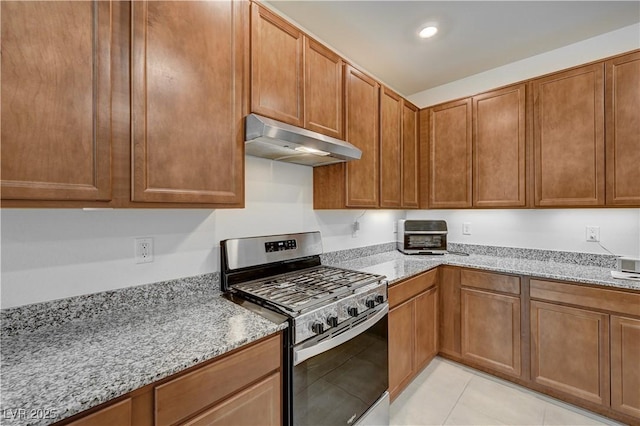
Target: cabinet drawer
[
  {"x": 405, "y": 290},
  {"x": 490, "y": 281},
  {"x": 190, "y": 393},
  {"x": 596, "y": 298},
  {"x": 116, "y": 414}
]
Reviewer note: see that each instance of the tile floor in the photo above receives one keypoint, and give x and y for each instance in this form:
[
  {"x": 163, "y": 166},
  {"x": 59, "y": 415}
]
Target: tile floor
[{"x": 446, "y": 393}]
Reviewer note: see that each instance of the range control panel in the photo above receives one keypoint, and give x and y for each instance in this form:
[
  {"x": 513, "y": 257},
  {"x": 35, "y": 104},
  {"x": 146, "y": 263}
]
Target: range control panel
[{"x": 283, "y": 245}]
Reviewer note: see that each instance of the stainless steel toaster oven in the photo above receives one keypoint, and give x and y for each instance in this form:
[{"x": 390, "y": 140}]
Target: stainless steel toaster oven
[{"x": 422, "y": 236}]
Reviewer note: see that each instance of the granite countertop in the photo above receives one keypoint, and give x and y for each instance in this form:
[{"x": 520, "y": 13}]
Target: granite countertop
[
  {"x": 65, "y": 369},
  {"x": 397, "y": 266}
]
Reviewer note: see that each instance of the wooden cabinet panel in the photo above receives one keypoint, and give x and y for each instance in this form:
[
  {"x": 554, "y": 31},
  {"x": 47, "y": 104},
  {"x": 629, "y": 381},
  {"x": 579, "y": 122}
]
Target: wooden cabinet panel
[
  {"x": 276, "y": 67},
  {"x": 255, "y": 406},
  {"x": 192, "y": 392},
  {"x": 499, "y": 148},
  {"x": 411, "y": 287},
  {"x": 188, "y": 68},
  {"x": 450, "y": 155},
  {"x": 361, "y": 109},
  {"x": 625, "y": 365},
  {"x": 410, "y": 156},
  {"x": 622, "y": 106},
  {"x": 570, "y": 351},
  {"x": 116, "y": 414},
  {"x": 390, "y": 149},
  {"x": 490, "y": 330},
  {"x": 401, "y": 331},
  {"x": 490, "y": 281},
  {"x": 426, "y": 317},
  {"x": 449, "y": 304},
  {"x": 568, "y": 136},
  {"x": 323, "y": 94},
  {"x": 56, "y": 100}
]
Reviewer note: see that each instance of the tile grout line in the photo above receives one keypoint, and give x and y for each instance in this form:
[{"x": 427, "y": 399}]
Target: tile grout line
[{"x": 457, "y": 400}]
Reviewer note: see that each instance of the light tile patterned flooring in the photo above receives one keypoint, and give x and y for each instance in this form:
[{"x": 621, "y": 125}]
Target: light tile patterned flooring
[{"x": 446, "y": 393}]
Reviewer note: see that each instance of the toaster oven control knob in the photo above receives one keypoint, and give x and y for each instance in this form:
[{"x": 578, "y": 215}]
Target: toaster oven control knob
[
  {"x": 317, "y": 327},
  {"x": 332, "y": 321},
  {"x": 379, "y": 299},
  {"x": 353, "y": 311},
  {"x": 370, "y": 302}
]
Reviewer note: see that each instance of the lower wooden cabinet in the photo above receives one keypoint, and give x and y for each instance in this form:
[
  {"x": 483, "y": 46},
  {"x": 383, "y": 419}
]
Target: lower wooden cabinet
[
  {"x": 413, "y": 329},
  {"x": 625, "y": 365},
  {"x": 115, "y": 414},
  {"x": 449, "y": 306}
]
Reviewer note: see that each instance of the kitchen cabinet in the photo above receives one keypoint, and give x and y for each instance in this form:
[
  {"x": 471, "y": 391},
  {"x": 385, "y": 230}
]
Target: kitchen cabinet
[
  {"x": 490, "y": 321},
  {"x": 450, "y": 159},
  {"x": 625, "y": 365},
  {"x": 413, "y": 325},
  {"x": 118, "y": 413},
  {"x": 410, "y": 156},
  {"x": 622, "y": 115},
  {"x": 187, "y": 102},
  {"x": 499, "y": 148},
  {"x": 449, "y": 310},
  {"x": 391, "y": 159},
  {"x": 56, "y": 100},
  {"x": 568, "y": 138},
  {"x": 354, "y": 184}
]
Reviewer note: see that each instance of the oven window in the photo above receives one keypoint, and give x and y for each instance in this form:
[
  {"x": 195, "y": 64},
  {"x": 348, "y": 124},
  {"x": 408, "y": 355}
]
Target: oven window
[
  {"x": 425, "y": 242},
  {"x": 338, "y": 386}
]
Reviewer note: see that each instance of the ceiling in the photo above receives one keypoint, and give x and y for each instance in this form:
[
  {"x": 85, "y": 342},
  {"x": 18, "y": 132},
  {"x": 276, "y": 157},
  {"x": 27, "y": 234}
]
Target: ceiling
[{"x": 473, "y": 36}]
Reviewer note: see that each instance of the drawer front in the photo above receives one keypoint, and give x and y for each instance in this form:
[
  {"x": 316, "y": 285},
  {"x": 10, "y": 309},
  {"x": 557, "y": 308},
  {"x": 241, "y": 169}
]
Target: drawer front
[
  {"x": 405, "y": 290},
  {"x": 490, "y": 281},
  {"x": 192, "y": 392},
  {"x": 116, "y": 414},
  {"x": 589, "y": 297}
]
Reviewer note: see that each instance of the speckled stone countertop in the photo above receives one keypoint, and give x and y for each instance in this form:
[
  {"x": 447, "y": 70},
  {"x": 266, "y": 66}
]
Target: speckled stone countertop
[
  {"x": 67, "y": 368},
  {"x": 397, "y": 266}
]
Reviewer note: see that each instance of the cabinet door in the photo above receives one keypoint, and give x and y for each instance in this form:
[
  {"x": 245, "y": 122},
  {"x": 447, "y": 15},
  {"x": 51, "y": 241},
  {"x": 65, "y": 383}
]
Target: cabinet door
[
  {"x": 449, "y": 304},
  {"x": 570, "y": 351},
  {"x": 625, "y": 365},
  {"x": 255, "y": 406},
  {"x": 499, "y": 148},
  {"x": 401, "y": 332},
  {"x": 490, "y": 330},
  {"x": 187, "y": 88},
  {"x": 450, "y": 155},
  {"x": 410, "y": 156},
  {"x": 623, "y": 130},
  {"x": 426, "y": 325},
  {"x": 56, "y": 100},
  {"x": 361, "y": 109},
  {"x": 390, "y": 149},
  {"x": 568, "y": 137},
  {"x": 276, "y": 67},
  {"x": 323, "y": 94}
]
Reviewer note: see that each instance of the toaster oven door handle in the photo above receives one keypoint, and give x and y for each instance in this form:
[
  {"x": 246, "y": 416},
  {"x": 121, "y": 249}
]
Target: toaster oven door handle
[
  {"x": 309, "y": 351},
  {"x": 426, "y": 232}
]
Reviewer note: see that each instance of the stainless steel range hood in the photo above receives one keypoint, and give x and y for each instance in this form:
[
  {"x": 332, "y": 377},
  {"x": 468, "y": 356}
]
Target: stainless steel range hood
[{"x": 279, "y": 141}]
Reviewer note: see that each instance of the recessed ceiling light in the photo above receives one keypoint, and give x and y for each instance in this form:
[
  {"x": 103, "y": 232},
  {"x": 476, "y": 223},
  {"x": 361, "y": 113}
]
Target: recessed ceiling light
[{"x": 427, "y": 32}]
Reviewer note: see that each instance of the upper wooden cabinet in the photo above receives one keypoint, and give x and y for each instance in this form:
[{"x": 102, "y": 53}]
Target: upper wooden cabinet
[
  {"x": 391, "y": 124},
  {"x": 188, "y": 68},
  {"x": 410, "y": 156},
  {"x": 276, "y": 67},
  {"x": 622, "y": 113},
  {"x": 499, "y": 148},
  {"x": 449, "y": 145},
  {"x": 56, "y": 100},
  {"x": 568, "y": 137}
]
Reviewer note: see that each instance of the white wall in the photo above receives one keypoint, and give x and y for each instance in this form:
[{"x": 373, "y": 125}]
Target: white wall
[
  {"x": 602, "y": 46},
  {"x": 556, "y": 229}
]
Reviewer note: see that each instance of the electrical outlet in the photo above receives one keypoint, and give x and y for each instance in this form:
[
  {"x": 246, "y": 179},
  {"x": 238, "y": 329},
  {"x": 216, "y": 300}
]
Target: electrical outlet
[
  {"x": 466, "y": 228},
  {"x": 354, "y": 229},
  {"x": 593, "y": 233},
  {"x": 144, "y": 250}
]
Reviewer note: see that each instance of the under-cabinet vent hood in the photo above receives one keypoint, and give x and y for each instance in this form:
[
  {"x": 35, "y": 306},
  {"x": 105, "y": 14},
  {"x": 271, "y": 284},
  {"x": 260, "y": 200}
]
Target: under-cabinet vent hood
[{"x": 279, "y": 141}]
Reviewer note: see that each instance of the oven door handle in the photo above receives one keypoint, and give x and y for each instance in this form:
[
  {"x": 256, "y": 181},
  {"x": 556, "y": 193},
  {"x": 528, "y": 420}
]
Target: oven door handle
[{"x": 304, "y": 353}]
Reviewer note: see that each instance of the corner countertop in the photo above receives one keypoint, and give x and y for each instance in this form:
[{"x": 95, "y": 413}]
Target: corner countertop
[
  {"x": 397, "y": 266},
  {"x": 78, "y": 365}
]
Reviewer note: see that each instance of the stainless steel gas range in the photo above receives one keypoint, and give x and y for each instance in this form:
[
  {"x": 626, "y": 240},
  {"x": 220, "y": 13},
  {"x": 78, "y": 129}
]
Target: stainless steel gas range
[{"x": 336, "y": 350}]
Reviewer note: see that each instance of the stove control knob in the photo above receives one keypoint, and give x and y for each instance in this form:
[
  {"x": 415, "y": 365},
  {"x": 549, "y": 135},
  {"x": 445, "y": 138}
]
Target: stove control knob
[
  {"x": 370, "y": 302},
  {"x": 352, "y": 311},
  {"x": 379, "y": 299},
  {"x": 317, "y": 327},
  {"x": 332, "y": 321}
]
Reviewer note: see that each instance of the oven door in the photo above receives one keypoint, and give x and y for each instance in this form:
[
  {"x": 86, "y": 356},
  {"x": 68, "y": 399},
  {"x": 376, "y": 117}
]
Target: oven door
[{"x": 339, "y": 377}]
